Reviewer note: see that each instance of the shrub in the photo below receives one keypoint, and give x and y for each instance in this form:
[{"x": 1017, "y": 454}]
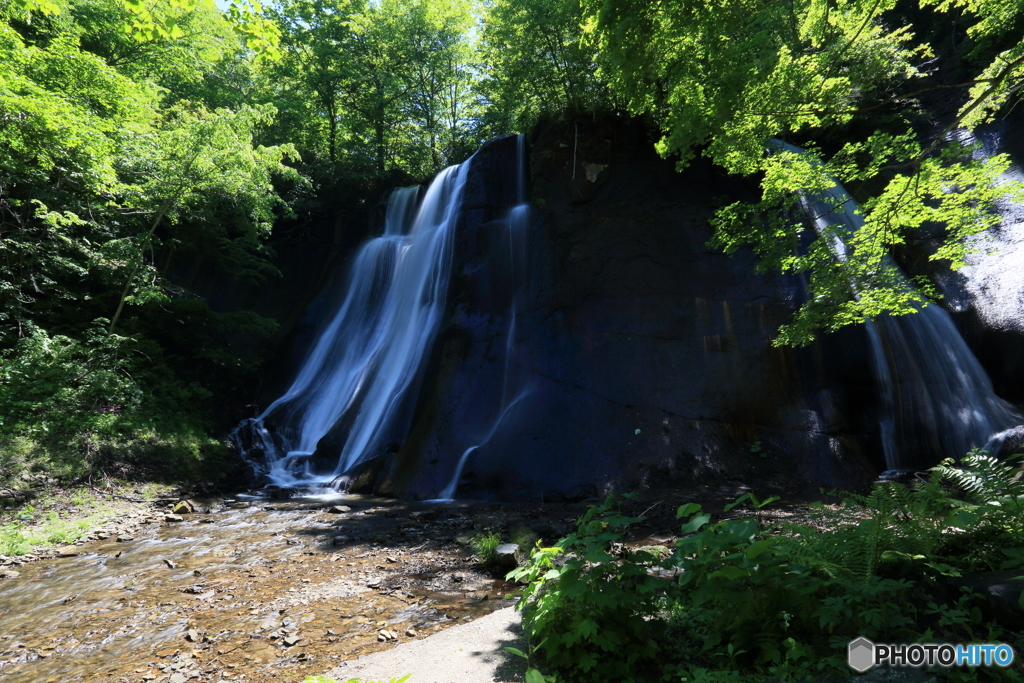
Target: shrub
[
  {"x": 591, "y": 612},
  {"x": 484, "y": 545},
  {"x": 782, "y": 600}
]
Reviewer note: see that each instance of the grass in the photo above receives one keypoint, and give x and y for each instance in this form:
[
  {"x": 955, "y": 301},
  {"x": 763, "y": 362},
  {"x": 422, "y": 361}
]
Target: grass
[
  {"x": 485, "y": 545},
  {"x": 61, "y": 517}
]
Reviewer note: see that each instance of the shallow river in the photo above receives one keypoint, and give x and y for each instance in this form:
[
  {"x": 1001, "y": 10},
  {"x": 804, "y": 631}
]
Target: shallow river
[{"x": 272, "y": 592}]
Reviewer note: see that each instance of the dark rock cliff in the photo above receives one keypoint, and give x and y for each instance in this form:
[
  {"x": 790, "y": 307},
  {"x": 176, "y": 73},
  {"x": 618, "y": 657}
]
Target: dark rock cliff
[{"x": 641, "y": 356}]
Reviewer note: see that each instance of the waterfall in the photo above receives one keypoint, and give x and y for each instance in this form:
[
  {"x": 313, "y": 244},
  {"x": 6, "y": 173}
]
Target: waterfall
[
  {"x": 516, "y": 225},
  {"x": 938, "y": 402},
  {"x": 369, "y": 353}
]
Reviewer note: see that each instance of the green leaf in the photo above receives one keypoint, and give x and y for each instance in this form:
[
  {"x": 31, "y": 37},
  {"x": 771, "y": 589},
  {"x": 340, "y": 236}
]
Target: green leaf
[
  {"x": 695, "y": 523},
  {"x": 534, "y": 676}
]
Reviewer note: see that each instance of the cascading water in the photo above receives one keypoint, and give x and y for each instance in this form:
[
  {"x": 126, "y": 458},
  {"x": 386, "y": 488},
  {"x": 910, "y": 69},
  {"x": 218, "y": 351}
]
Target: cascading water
[
  {"x": 938, "y": 400},
  {"x": 369, "y": 353},
  {"x": 516, "y": 224}
]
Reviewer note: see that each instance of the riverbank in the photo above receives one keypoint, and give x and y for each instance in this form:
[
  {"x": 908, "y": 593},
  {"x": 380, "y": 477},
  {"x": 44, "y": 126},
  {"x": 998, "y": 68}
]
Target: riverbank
[{"x": 52, "y": 521}]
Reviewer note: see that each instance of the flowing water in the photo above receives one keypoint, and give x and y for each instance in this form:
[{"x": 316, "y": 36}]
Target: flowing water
[
  {"x": 938, "y": 401},
  {"x": 517, "y": 225},
  {"x": 368, "y": 355},
  {"x": 262, "y": 593}
]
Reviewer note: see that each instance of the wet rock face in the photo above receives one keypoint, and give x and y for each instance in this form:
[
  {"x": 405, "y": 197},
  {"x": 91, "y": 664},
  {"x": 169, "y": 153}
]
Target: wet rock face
[
  {"x": 640, "y": 355},
  {"x": 987, "y": 297}
]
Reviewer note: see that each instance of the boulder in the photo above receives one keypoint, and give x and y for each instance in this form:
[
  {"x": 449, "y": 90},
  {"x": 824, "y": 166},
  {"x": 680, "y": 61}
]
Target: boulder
[
  {"x": 1002, "y": 593},
  {"x": 184, "y": 507},
  {"x": 506, "y": 556}
]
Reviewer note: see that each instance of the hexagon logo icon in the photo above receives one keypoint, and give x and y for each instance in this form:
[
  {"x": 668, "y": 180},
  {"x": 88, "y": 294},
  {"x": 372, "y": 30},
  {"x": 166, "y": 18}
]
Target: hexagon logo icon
[{"x": 860, "y": 654}]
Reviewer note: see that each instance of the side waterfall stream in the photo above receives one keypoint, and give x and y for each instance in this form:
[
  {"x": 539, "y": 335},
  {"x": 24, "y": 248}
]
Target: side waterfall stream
[{"x": 938, "y": 400}]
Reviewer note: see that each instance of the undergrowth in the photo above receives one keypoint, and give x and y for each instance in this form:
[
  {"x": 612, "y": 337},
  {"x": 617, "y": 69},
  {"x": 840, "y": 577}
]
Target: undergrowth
[{"x": 744, "y": 598}]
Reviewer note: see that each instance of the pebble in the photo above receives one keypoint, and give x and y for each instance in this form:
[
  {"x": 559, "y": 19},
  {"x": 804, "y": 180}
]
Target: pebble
[
  {"x": 173, "y": 518},
  {"x": 289, "y": 641},
  {"x": 124, "y": 538},
  {"x": 337, "y": 509},
  {"x": 192, "y": 636}
]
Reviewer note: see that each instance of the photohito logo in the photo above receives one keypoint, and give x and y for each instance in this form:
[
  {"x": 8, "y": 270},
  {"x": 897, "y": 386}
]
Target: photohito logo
[{"x": 862, "y": 654}]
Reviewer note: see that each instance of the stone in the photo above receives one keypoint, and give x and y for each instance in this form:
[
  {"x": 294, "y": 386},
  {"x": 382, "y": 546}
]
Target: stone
[
  {"x": 125, "y": 538},
  {"x": 184, "y": 507},
  {"x": 170, "y": 564},
  {"x": 484, "y": 522},
  {"x": 289, "y": 641},
  {"x": 192, "y": 636},
  {"x": 545, "y": 530},
  {"x": 339, "y": 509},
  {"x": 410, "y": 633},
  {"x": 178, "y": 677},
  {"x": 1002, "y": 595},
  {"x": 506, "y": 556},
  {"x": 173, "y": 518},
  {"x": 69, "y": 551},
  {"x": 423, "y": 514},
  {"x": 464, "y": 539},
  {"x": 373, "y": 583},
  {"x": 341, "y": 540}
]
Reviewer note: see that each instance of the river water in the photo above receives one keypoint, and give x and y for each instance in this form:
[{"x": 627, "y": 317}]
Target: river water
[{"x": 274, "y": 591}]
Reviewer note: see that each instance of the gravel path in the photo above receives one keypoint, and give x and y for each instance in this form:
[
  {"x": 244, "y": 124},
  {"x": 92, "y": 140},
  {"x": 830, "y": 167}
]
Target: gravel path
[{"x": 468, "y": 653}]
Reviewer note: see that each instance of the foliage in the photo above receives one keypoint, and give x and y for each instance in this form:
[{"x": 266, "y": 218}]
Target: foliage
[
  {"x": 778, "y": 599},
  {"x": 485, "y": 544},
  {"x": 391, "y": 82},
  {"x": 106, "y": 173},
  {"x": 591, "y": 612},
  {"x": 326, "y": 679},
  {"x": 538, "y": 62},
  {"x": 724, "y": 79}
]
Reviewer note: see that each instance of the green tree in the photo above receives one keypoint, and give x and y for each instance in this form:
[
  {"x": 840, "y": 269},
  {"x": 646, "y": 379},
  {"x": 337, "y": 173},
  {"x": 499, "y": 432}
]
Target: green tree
[
  {"x": 723, "y": 79},
  {"x": 441, "y": 98},
  {"x": 107, "y": 168},
  {"x": 538, "y": 60},
  {"x": 195, "y": 159}
]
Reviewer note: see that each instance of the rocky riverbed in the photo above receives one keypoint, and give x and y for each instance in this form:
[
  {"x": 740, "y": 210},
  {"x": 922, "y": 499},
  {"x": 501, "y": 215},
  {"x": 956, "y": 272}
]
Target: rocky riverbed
[{"x": 244, "y": 590}]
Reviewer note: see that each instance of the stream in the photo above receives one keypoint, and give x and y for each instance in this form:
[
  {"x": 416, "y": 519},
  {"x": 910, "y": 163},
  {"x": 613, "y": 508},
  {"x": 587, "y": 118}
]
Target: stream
[{"x": 244, "y": 590}]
